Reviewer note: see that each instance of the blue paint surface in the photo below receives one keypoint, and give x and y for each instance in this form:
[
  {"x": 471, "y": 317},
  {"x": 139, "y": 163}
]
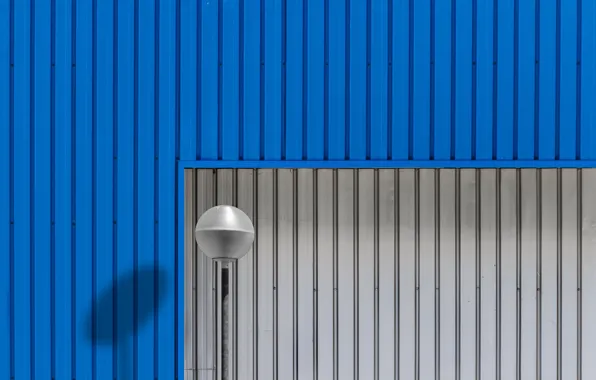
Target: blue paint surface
[{"x": 103, "y": 104}]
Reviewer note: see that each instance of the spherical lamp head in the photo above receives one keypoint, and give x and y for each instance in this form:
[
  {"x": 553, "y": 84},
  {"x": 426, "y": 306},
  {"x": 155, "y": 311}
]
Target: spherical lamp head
[{"x": 224, "y": 232}]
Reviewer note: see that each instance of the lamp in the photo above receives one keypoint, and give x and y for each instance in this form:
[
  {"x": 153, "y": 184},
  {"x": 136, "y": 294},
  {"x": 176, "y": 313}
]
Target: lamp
[{"x": 225, "y": 234}]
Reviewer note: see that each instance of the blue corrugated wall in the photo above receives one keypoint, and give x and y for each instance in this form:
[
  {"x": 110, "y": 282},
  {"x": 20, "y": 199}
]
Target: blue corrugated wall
[{"x": 100, "y": 99}]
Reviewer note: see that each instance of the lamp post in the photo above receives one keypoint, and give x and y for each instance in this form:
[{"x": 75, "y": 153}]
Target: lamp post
[{"x": 225, "y": 234}]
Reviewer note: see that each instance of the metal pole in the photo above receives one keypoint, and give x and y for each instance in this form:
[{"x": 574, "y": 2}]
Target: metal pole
[{"x": 225, "y": 302}]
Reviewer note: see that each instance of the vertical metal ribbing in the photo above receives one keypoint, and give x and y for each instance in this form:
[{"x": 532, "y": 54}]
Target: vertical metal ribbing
[
  {"x": 356, "y": 275},
  {"x": 579, "y": 270},
  {"x": 559, "y": 275},
  {"x": 417, "y": 270},
  {"x": 233, "y": 286},
  {"x": 215, "y": 295},
  {"x": 522, "y": 269},
  {"x": 255, "y": 279},
  {"x": 233, "y": 319},
  {"x": 235, "y": 188},
  {"x": 376, "y": 272},
  {"x": 216, "y": 199},
  {"x": 539, "y": 273},
  {"x": 396, "y": 291},
  {"x": 315, "y": 274},
  {"x": 421, "y": 355},
  {"x": 518, "y": 274},
  {"x": 275, "y": 278},
  {"x": 335, "y": 279},
  {"x": 217, "y": 347},
  {"x": 194, "y": 177},
  {"x": 498, "y": 269},
  {"x": 478, "y": 229},
  {"x": 191, "y": 216},
  {"x": 458, "y": 274},
  {"x": 295, "y": 281},
  {"x": 437, "y": 173}
]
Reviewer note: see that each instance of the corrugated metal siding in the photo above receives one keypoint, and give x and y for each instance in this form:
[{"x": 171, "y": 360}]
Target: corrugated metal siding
[
  {"x": 413, "y": 274},
  {"x": 99, "y": 99},
  {"x": 88, "y": 121},
  {"x": 388, "y": 80}
]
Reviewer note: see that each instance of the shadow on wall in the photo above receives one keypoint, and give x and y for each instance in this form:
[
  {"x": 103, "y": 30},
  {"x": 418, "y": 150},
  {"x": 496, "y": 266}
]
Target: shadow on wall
[{"x": 119, "y": 308}]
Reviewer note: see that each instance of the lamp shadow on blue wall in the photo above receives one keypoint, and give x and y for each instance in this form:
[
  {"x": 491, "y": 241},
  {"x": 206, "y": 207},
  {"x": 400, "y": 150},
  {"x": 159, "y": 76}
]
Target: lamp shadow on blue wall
[{"x": 123, "y": 309}]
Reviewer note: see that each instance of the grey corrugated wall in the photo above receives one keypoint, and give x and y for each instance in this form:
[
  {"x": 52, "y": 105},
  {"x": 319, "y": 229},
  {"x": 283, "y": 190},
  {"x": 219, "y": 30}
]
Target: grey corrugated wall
[{"x": 409, "y": 274}]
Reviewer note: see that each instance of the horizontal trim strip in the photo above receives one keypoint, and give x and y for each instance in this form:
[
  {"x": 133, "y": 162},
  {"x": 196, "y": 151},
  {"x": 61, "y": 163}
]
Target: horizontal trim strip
[{"x": 411, "y": 164}]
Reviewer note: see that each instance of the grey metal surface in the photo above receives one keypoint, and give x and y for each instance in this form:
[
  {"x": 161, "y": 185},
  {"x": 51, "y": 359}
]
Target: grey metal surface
[
  {"x": 226, "y": 323},
  {"x": 409, "y": 274}
]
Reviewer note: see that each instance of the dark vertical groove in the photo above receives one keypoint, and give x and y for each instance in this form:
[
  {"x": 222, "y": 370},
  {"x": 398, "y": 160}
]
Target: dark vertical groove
[
  {"x": 255, "y": 279},
  {"x": 73, "y": 203},
  {"x": 52, "y": 184},
  {"x": 495, "y": 73},
  {"x": 284, "y": 57},
  {"x": 199, "y": 79},
  {"x": 215, "y": 282},
  {"x": 559, "y": 274},
  {"x": 411, "y": 80},
  {"x": 389, "y": 80},
  {"x": 326, "y": 80},
  {"x": 240, "y": 79},
  {"x": 516, "y": 79},
  {"x": 396, "y": 272},
  {"x": 499, "y": 268},
  {"x": 474, "y": 78},
  {"x": 275, "y": 274},
  {"x": 156, "y": 277},
  {"x": 135, "y": 191},
  {"x": 578, "y": 83},
  {"x": 417, "y": 271},
  {"x": 368, "y": 79},
  {"x": 536, "y": 80},
  {"x": 235, "y": 187},
  {"x": 11, "y": 185},
  {"x": 437, "y": 226},
  {"x": 234, "y": 272},
  {"x": 94, "y": 192},
  {"x": 295, "y": 273},
  {"x": 376, "y": 232},
  {"x": 176, "y": 131},
  {"x": 478, "y": 232},
  {"x": 518, "y": 269},
  {"x": 539, "y": 273},
  {"x": 315, "y": 240},
  {"x": 335, "y": 277},
  {"x": 214, "y": 297},
  {"x": 452, "y": 126},
  {"x": 177, "y": 150},
  {"x": 220, "y": 88},
  {"x": 356, "y": 217},
  {"x": 457, "y": 274},
  {"x": 195, "y": 272},
  {"x": 32, "y": 193},
  {"x": 579, "y": 226},
  {"x": 432, "y": 81},
  {"x": 304, "y": 80},
  {"x": 262, "y": 82},
  {"x": 73, "y": 155},
  {"x": 115, "y": 182},
  {"x": 347, "y": 83},
  {"x": 558, "y": 85}
]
